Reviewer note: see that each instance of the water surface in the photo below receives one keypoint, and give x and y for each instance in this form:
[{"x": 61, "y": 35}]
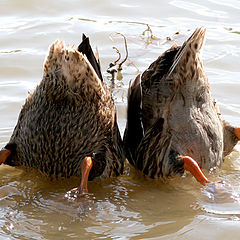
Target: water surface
[{"x": 131, "y": 206}]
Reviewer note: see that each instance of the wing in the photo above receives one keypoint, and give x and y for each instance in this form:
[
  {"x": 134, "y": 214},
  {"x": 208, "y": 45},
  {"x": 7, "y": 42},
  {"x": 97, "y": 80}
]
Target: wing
[
  {"x": 134, "y": 131},
  {"x": 162, "y": 79},
  {"x": 156, "y": 91}
]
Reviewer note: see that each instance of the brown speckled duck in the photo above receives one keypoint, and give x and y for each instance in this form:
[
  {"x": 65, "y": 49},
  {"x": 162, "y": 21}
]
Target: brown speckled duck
[
  {"x": 68, "y": 127},
  {"x": 173, "y": 123}
]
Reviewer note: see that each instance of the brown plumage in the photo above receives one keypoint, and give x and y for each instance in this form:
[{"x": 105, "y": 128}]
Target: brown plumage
[
  {"x": 172, "y": 115},
  {"x": 71, "y": 115}
]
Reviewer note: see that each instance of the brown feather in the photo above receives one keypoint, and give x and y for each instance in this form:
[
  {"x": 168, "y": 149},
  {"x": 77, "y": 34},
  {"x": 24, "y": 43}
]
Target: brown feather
[
  {"x": 70, "y": 115},
  {"x": 175, "y": 93}
]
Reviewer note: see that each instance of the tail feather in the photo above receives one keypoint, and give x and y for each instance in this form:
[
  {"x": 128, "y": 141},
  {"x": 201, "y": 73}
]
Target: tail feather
[
  {"x": 85, "y": 48},
  {"x": 64, "y": 63},
  {"x": 192, "y": 46}
]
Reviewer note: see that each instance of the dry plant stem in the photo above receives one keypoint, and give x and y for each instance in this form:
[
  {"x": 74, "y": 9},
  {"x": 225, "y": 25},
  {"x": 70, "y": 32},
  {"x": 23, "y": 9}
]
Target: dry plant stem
[
  {"x": 126, "y": 49},
  {"x": 119, "y": 55},
  {"x": 148, "y": 30},
  {"x": 152, "y": 37}
]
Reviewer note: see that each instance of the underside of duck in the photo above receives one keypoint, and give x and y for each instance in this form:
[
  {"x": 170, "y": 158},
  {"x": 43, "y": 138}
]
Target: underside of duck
[
  {"x": 68, "y": 127},
  {"x": 173, "y": 123}
]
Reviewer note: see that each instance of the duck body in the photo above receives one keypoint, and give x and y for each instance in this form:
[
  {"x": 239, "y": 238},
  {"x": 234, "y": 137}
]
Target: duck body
[
  {"x": 70, "y": 115},
  {"x": 172, "y": 113}
]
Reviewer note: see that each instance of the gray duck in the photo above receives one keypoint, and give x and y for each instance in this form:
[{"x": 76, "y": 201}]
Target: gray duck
[
  {"x": 68, "y": 126},
  {"x": 173, "y": 123}
]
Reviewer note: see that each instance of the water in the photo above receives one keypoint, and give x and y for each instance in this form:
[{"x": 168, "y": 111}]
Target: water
[{"x": 32, "y": 206}]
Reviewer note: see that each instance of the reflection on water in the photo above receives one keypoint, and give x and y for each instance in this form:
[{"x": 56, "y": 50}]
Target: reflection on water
[
  {"x": 32, "y": 205},
  {"x": 130, "y": 206},
  {"x": 221, "y": 198}
]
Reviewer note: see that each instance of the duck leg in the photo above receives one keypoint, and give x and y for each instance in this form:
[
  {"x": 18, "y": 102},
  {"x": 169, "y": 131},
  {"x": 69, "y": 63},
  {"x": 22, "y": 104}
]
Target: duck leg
[
  {"x": 86, "y": 166},
  {"x": 192, "y": 166},
  {"x": 4, "y": 154}
]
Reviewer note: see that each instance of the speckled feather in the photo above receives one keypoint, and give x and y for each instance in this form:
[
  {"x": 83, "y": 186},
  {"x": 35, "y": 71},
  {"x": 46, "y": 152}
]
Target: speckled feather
[
  {"x": 70, "y": 115},
  {"x": 175, "y": 114}
]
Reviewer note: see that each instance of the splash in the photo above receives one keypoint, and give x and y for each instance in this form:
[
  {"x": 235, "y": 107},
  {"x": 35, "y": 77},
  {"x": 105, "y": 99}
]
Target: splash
[{"x": 221, "y": 198}]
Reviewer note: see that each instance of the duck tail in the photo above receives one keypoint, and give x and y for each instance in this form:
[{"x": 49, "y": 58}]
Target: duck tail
[
  {"x": 65, "y": 63},
  {"x": 85, "y": 48},
  {"x": 190, "y": 49}
]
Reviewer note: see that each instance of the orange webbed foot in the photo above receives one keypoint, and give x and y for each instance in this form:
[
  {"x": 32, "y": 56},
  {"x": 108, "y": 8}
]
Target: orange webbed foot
[
  {"x": 237, "y": 133},
  {"x": 82, "y": 190},
  {"x": 4, "y": 154},
  {"x": 192, "y": 166}
]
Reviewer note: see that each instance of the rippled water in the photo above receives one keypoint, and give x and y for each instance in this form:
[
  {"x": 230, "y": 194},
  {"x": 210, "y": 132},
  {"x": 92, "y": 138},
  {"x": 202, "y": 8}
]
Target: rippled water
[{"x": 32, "y": 206}]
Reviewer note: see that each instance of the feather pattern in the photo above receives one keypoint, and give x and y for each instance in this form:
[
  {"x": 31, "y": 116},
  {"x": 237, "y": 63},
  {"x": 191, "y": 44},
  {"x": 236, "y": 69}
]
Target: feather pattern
[
  {"x": 70, "y": 115},
  {"x": 177, "y": 113}
]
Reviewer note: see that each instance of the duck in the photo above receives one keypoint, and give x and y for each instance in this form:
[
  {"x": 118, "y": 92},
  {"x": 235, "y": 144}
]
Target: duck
[
  {"x": 173, "y": 123},
  {"x": 68, "y": 125}
]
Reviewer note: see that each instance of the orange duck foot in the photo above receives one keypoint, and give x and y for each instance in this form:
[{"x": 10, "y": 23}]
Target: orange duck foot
[
  {"x": 4, "y": 154},
  {"x": 192, "y": 166},
  {"x": 86, "y": 167},
  {"x": 237, "y": 133},
  {"x": 82, "y": 190}
]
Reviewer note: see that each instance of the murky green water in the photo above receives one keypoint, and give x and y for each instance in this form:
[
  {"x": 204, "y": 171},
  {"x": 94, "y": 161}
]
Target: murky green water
[{"x": 33, "y": 206}]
